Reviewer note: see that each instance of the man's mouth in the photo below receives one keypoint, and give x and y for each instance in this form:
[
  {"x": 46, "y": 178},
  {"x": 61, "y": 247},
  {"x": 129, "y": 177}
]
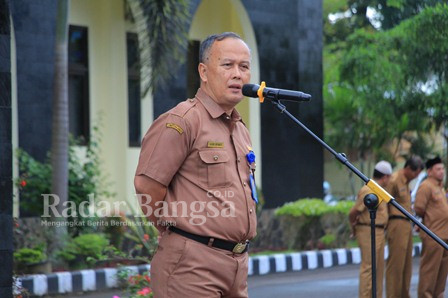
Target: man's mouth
[{"x": 235, "y": 87}]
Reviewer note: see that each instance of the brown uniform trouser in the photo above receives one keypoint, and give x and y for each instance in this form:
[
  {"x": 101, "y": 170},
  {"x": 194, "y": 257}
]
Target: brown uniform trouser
[
  {"x": 433, "y": 269},
  {"x": 183, "y": 267},
  {"x": 399, "y": 261},
  {"x": 365, "y": 270}
]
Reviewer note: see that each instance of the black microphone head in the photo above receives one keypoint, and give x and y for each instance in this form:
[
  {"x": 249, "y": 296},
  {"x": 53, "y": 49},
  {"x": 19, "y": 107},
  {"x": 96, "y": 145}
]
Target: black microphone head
[{"x": 250, "y": 90}]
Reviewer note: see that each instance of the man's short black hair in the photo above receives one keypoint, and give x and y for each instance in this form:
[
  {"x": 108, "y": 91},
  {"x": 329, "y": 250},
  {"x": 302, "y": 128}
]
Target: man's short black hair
[
  {"x": 415, "y": 163},
  {"x": 207, "y": 43},
  {"x": 431, "y": 162}
]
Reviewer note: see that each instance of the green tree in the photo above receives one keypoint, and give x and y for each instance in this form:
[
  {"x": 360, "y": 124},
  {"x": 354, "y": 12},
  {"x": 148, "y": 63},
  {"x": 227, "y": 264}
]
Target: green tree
[
  {"x": 425, "y": 47},
  {"x": 374, "y": 78},
  {"x": 351, "y": 15},
  {"x": 392, "y": 12},
  {"x": 163, "y": 35},
  {"x": 59, "y": 143}
]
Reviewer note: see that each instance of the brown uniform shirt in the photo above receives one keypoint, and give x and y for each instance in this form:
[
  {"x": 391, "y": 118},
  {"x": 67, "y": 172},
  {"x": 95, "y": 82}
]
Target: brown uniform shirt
[
  {"x": 364, "y": 217},
  {"x": 432, "y": 205},
  {"x": 199, "y": 153},
  {"x": 399, "y": 189}
]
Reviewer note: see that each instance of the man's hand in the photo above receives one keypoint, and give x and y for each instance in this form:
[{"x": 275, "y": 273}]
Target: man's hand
[
  {"x": 150, "y": 192},
  {"x": 353, "y": 218}
]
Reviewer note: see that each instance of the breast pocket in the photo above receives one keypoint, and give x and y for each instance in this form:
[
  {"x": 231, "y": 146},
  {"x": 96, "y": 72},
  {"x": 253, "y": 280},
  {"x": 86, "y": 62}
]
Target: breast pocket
[{"x": 213, "y": 168}]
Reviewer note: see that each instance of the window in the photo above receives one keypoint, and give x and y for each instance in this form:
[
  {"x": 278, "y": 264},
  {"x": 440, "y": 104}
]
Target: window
[
  {"x": 78, "y": 83},
  {"x": 134, "y": 104}
]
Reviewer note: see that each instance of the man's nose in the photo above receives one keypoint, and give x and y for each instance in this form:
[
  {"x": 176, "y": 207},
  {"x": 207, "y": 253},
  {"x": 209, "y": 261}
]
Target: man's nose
[{"x": 236, "y": 72}]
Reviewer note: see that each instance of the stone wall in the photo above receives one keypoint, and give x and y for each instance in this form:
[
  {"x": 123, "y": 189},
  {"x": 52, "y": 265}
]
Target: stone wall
[
  {"x": 5, "y": 153},
  {"x": 34, "y": 29},
  {"x": 292, "y": 161}
]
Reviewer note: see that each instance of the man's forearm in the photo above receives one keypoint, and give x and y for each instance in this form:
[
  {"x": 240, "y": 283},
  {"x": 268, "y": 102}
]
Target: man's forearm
[
  {"x": 419, "y": 211},
  {"x": 150, "y": 192},
  {"x": 148, "y": 205},
  {"x": 353, "y": 217}
]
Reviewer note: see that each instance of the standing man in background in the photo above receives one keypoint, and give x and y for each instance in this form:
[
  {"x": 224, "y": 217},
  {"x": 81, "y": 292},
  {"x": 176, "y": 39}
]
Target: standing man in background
[
  {"x": 359, "y": 217},
  {"x": 431, "y": 205},
  {"x": 399, "y": 231}
]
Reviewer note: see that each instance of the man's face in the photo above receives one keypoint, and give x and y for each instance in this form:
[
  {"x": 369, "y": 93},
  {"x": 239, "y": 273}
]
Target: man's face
[
  {"x": 225, "y": 72},
  {"x": 385, "y": 180},
  {"x": 415, "y": 173},
  {"x": 437, "y": 171}
]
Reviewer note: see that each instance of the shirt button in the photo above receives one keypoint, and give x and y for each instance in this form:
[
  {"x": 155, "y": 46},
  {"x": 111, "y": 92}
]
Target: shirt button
[
  {"x": 227, "y": 117},
  {"x": 238, "y": 159},
  {"x": 250, "y": 210},
  {"x": 244, "y": 184},
  {"x": 215, "y": 157}
]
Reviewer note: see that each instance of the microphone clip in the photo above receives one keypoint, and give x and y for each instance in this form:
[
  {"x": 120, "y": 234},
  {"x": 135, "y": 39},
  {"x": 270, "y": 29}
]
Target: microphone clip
[{"x": 260, "y": 91}]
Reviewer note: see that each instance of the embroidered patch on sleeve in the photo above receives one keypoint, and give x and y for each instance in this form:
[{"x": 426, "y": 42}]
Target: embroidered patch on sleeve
[{"x": 176, "y": 127}]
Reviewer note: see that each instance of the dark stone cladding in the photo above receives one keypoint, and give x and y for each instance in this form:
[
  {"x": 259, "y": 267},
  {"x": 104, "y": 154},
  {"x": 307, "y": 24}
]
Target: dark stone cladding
[
  {"x": 289, "y": 38},
  {"x": 34, "y": 29},
  {"x": 6, "y": 243}
]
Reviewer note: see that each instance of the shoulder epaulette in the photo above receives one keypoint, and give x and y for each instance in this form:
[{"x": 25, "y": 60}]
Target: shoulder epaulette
[{"x": 182, "y": 108}]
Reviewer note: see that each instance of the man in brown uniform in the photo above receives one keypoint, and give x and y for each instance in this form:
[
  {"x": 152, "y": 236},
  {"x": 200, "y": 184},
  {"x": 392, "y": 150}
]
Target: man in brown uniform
[
  {"x": 359, "y": 217},
  {"x": 194, "y": 175},
  {"x": 399, "y": 231},
  {"x": 431, "y": 205}
]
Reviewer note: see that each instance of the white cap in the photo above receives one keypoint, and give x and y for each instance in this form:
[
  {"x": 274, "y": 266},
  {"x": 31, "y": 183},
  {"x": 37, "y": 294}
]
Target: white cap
[{"x": 384, "y": 167}]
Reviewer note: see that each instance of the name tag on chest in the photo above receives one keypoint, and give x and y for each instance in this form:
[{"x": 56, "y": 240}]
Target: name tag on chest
[{"x": 212, "y": 144}]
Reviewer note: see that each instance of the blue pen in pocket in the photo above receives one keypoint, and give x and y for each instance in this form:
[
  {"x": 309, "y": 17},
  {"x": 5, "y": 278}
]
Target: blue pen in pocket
[
  {"x": 253, "y": 188},
  {"x": 251, "y": 160}
]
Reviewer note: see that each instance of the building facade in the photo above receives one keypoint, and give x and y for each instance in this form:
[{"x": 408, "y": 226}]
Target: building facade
[{"x": 285, "y": 38}]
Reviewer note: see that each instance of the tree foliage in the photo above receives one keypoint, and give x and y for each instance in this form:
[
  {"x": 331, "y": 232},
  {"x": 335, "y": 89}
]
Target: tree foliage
[
  {"x": 394, "y": 11},
  {"x": 162, "y": 27},
  {"x": 383, "y": 86},
  {"x": 425, "y": 54}
]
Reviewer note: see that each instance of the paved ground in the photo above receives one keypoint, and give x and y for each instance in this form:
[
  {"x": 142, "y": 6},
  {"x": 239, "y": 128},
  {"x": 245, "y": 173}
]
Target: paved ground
[{"x": 335, "y": 282}]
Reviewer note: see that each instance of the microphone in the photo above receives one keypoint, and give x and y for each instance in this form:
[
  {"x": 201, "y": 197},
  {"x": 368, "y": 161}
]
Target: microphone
[{"x": 262, "y": 92}]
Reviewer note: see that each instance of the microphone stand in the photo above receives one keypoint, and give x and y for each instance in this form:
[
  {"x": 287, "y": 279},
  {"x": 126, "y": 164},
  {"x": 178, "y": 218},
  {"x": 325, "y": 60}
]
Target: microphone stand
[
  {"x": 381, "y": 194},
  {"x": 371, "y": 202}
]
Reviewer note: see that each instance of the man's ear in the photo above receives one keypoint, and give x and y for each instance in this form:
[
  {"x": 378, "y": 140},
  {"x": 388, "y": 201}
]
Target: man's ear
[{"x": 202, "y": 69}]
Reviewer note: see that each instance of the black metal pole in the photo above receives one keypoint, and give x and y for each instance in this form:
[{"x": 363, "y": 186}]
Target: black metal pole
[
  {"x": 377, "y": 189},
  {"x": 371, "y": 202},
  {"x": 339, "y": 156},
  {"x": 6, "y": 219}
]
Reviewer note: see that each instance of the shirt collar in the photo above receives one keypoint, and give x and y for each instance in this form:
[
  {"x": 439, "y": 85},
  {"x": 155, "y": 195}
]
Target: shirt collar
[{"x": 213, "y": 108}]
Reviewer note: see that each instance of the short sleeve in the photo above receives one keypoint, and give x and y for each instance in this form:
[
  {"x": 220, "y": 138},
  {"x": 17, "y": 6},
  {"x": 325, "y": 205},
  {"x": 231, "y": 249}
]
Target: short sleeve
[
  {"x": 359, "y": 204},
  {"x": 421, "y": 199},
  {"x": 391, "y": 188},
  {"x": 164, "y": 148}
]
